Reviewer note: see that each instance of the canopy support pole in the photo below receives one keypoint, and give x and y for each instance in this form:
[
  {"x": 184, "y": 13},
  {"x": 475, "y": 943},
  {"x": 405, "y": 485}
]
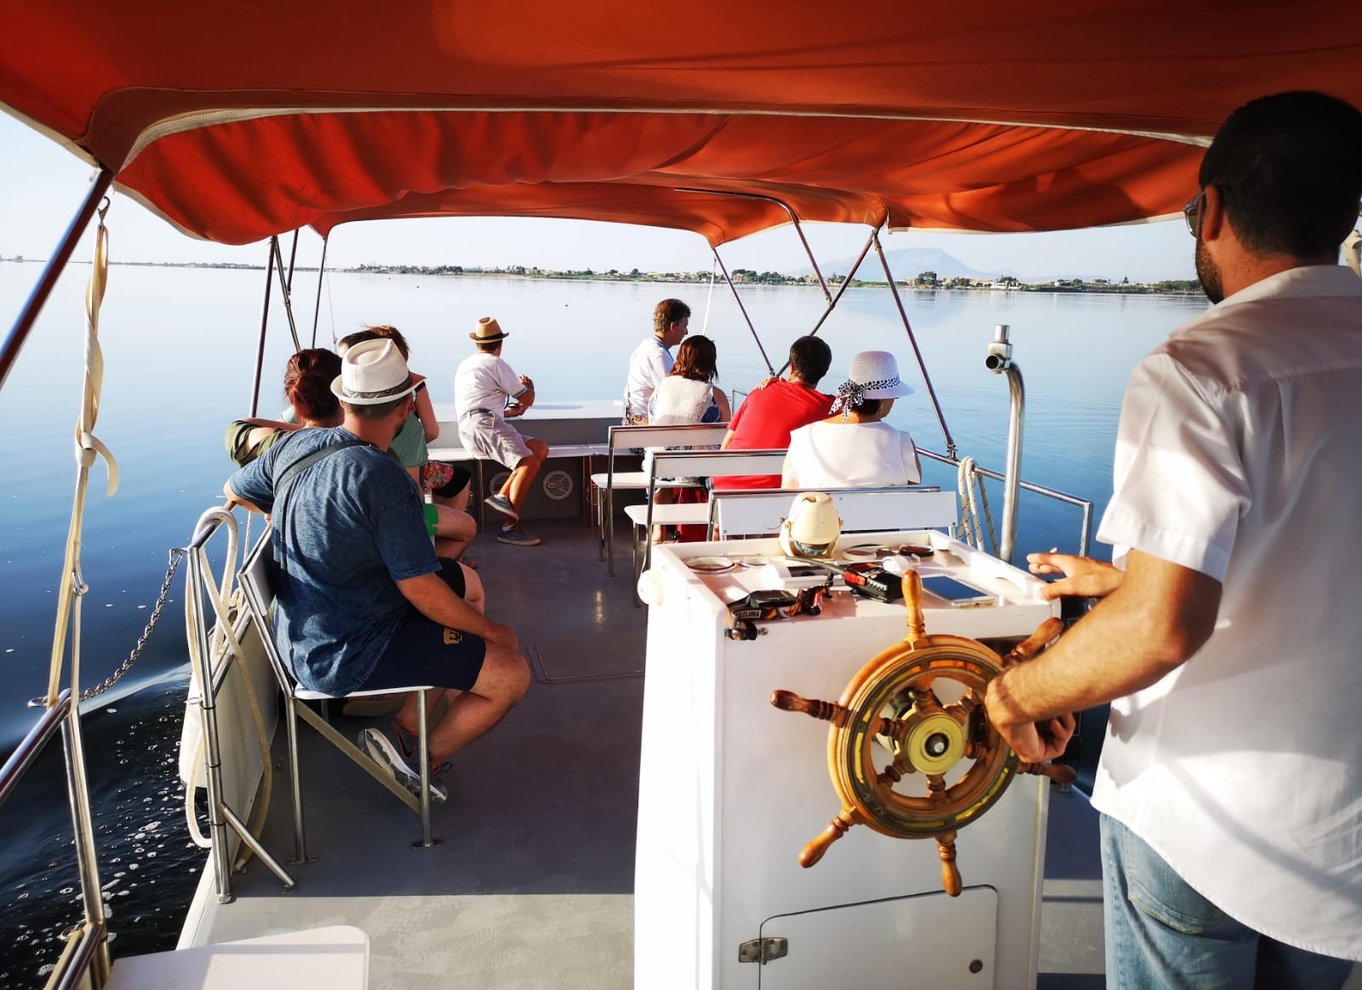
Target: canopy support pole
[
  {"x": 912, "y": 339},
  {"x": 827, "y": 296},
  {"x": 28, "y": 316},
  {"x": 743, "y": 309},
  {"x": 794, "y": 219},
  {"x": 292, "y": 258},
  {"x": 321, "y": 274},
  {"x": 284, "y": 286},
  {"x": 832, "y": 303},
  {"x": 264, "y": 325}
]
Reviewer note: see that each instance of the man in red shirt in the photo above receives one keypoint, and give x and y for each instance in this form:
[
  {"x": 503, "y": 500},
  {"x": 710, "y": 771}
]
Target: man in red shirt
[{"x": 770, "y": 412}]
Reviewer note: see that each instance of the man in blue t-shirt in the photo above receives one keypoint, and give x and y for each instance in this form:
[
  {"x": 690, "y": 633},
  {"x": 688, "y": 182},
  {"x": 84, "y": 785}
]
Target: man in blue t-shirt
[{"x": 363, "y": 601}]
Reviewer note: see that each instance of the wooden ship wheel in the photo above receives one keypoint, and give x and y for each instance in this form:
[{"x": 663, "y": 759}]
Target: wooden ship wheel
[{"x": 910, "y": 749}]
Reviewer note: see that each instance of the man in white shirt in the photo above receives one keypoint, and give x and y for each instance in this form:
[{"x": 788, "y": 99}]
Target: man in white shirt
[
  {"x": 1230, "y": 782},
  {"x": 652, "y": 360},
  {"x": 487, "y": 392}
]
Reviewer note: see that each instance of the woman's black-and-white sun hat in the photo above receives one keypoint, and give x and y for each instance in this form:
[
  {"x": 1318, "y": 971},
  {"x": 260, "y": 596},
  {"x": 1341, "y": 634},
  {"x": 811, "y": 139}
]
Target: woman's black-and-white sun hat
[
  {"x": 372, "y": 372},
  {"x": 873, "y": 375}
]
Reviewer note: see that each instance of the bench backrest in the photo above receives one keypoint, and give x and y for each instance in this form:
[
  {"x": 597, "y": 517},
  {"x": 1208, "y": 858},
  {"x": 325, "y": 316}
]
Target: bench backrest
[
  {"x": 713, "y": 463},
  {"x": 689, "y": 434},
  {"x": 862, "y": 510},
  {"x": 629, "y": 438}
]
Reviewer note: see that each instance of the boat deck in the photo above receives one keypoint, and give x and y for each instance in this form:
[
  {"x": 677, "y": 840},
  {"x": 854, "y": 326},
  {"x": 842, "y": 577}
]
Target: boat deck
[{"x": 532, "y": 883}]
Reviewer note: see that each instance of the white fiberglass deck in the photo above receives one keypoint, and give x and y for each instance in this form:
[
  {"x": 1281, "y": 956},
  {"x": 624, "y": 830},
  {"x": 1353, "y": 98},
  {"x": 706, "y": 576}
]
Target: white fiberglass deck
[{"x": 532, "y": 885}]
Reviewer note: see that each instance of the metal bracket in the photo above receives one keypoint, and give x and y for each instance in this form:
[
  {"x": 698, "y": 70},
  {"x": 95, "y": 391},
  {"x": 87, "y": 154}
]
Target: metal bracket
[{"x": 763, "y": 950}]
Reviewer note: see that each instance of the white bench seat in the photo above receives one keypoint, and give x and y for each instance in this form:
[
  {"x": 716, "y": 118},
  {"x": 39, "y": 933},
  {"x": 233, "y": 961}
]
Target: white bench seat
[
  {"x": 457, "y": 453},
  {"x": 336, "y": 957},
  {"x": 460, "y": 453},
  {"x": 673, "y": 514}
]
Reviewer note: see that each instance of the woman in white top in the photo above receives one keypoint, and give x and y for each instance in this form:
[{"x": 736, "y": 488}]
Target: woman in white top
[
  {"x": 688, "y": 395},
  {"x": 854, "y": 448}
]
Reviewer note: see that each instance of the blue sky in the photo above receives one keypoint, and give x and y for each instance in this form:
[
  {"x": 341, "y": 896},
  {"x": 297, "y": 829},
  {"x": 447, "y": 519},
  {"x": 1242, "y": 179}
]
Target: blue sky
[{"x": 43, "y": 184}]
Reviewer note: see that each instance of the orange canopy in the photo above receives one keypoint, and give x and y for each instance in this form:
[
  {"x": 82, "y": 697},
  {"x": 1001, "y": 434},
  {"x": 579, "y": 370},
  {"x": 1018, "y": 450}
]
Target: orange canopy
[{"x": 236, "y": 121}]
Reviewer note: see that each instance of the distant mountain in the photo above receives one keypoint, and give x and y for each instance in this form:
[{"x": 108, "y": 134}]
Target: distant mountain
[{"x": 905, "y": 263}]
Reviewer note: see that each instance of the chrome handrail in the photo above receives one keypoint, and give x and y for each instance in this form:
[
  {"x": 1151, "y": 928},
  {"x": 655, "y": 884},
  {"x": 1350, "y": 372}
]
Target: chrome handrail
[
  {"x": 78, "y": 958},
  {"x": 46, "y": 726},
  {"x": 1082, "y": 503},
  {"x": 88, "y": 959},
  {"x": 199, "y": 584}
]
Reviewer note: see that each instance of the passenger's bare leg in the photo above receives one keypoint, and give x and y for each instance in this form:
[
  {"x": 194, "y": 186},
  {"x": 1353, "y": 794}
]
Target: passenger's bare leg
[
  {"x": 454, "y": 531},
  {"x": 473, "y": 592},
  {"x": 502, "y": 682},
  {"x": 518, "y": 484}
]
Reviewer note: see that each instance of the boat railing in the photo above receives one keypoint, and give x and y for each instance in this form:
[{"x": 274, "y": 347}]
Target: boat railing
[
  {"x": 1082, "y": 504},
  {"x": 86, "y": 950},
  {"x": 204, "y": 645}
]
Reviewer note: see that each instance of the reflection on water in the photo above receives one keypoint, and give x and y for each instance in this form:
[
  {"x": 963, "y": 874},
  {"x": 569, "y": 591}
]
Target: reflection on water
[{"x": 180, "y": 349}]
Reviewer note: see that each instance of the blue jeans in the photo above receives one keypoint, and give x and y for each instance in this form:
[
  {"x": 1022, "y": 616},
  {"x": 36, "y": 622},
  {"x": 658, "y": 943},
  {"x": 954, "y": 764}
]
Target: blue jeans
[{"x": 1162, "y": 935}]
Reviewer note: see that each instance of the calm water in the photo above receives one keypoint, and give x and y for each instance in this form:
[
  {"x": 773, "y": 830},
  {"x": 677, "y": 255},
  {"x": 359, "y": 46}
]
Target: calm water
[{"x": 180, "y": 347}]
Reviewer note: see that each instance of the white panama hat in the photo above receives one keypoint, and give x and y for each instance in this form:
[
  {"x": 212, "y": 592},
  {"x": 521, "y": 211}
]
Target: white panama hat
[{"x": 372, "y": 372}]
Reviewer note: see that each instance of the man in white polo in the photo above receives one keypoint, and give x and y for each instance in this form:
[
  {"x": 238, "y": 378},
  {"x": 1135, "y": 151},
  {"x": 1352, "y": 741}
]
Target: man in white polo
[
  {"x": 486, "y": 393},
  {"x": 651, "y": 360}
]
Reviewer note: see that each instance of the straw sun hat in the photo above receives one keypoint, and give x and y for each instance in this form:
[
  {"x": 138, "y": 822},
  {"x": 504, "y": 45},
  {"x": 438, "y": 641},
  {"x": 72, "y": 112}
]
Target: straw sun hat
[{"x": 487, "y": 331}]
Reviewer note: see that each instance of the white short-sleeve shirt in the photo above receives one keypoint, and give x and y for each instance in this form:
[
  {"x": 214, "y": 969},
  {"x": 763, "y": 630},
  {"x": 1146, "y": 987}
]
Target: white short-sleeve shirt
[
  {"x": 485, "y": 381},
  {"x": 1237, "y": 456},
  {"x": 648, "y": 365},
  {"x": 852, "y": 455}
]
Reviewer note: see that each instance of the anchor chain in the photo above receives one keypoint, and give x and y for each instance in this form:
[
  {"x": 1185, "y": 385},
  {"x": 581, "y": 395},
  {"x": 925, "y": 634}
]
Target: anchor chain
[{"x": 177, "y": 555}]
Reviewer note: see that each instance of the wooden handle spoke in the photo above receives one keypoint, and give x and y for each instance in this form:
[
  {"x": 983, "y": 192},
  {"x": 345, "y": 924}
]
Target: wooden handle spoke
[
  {"x": 1060, "y": 773},
  {"x": 895, "y": 772},
  {"x": 950, "y": 873},
  {"x": 893, "y": 729},
  {"x": 936, "y": 786},
  {"x": 825, "y": 711},
  {"x": 912, "y": 604},
  {"x": 1046, "y": 633},
  {"x": 837, "y": 828},
  {"x": 925, "y": 699},
  {"x": 960, "y": 710}
]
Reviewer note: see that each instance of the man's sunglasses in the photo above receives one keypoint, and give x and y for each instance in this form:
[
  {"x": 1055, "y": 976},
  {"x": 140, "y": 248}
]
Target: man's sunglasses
[{"x": 1192, "y": 213}]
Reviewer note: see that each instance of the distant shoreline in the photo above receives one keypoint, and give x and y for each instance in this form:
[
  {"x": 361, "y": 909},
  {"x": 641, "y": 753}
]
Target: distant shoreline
[{"x": 924, "y": 281}]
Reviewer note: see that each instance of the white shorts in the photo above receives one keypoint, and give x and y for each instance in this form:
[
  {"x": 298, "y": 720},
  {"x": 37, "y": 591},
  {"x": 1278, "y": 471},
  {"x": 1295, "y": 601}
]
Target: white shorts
[{"x": 488, "y": 434}]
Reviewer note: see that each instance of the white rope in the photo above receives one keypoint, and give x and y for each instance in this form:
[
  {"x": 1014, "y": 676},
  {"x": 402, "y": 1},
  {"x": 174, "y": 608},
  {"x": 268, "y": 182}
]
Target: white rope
[
  {"x": 87, "y": 447},
  {"x": 709, "y": 298},
  {"x": 970, "y": 486}
]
